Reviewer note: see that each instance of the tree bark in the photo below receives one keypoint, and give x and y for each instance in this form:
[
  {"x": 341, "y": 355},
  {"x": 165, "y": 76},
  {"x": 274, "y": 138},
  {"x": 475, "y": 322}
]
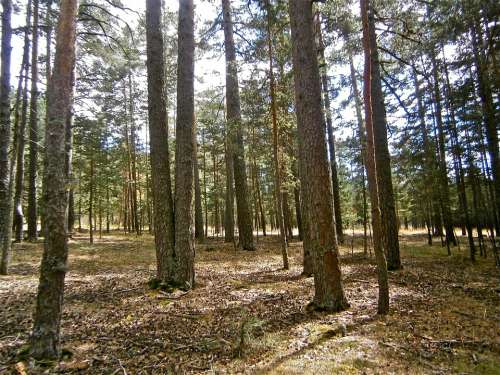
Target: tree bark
[
  {"x": 5, "y": 137},
  {"x": 245, "y": 230},
  {"x": 158, "y": 135},
  {"x": 329, "y": 127},
  {"x": 314, "y": 171},
  {"x": 183, "y": 257},
  {"x": 382, "y": 157},
  {"x": 45, "y": 341},
  {"x": 33, "y": 139},
  {"x": 383, "y": 284}
]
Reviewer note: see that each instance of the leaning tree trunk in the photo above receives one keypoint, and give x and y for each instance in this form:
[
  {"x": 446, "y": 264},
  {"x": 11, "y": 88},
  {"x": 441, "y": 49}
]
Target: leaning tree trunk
[
  {"x": 314, "y": 171},
  {"x": 158, "y": 134},
  {"x": 5, "y": 174},
  {"x": 371, "y": 166},
  {"x": 45, "y": 339},
  {"x": 245, "y": 230},
  {"x": 183, "y": 257},
  {"x": 382, "y": 156},
  {"x": 33, "y": 139}
]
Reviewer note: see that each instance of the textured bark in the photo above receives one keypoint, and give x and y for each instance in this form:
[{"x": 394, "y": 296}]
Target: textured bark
[
  {"x": 69, "y": 162},
  {"x": 234, "y": 123},
  {"x": 45, "y": 341},
  {"x": 443, "y": 173},
  {"x": 277, "y": 168},
  {"x": 183, "y": 256},
  {"x": 198, "y": 210},
  {"x": 33, "y": 130},
  {"x": 5, "y": 137},
  {"x": 371, "y": 166},
  {"x": 382, "y": 157},
  {"x": 314, "y": 171},
  {"x": 158, "y": 134},
  {"x": 329, "y": 127}
]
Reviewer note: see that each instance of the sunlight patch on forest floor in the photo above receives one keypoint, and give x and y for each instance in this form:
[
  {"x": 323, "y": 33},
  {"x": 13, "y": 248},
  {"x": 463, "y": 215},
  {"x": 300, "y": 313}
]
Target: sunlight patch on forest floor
[{"x": 248, "y": 315}]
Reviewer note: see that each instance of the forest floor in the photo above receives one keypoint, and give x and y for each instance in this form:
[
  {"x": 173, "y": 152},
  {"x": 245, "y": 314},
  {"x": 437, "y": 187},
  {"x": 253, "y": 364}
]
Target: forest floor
[{"x": 247, "y": 315}]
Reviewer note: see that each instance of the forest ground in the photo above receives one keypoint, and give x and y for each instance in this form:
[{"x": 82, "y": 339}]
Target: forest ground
[{"x": 248, "y": 315}]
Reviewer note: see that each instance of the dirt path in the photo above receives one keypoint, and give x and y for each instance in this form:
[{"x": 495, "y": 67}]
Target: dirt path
[{"x": 247, "y": 315}]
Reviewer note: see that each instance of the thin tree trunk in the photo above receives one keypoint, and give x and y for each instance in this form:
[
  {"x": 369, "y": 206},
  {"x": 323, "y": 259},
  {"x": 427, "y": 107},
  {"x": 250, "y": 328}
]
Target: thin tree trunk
[
  {"x": 235, "y": 135},
  {"x": 383, "y": 283},
  {"x": 198, "y": 209},
  {"x": 91, "y": 199},
  {"x": 329, "y": 128},
  {"x": 45, "y": 339},
  {"x": 314, "y": 171},
  {"x": 490, "y": 124},
  {"x": 5, "y": 137},
  {"x": 382, "y": 158},
  {"x": 362, "y": 141},
  {"x": 21, "y": 130},
  {"x": 445, "y": 199},
  {"x": 229, "y": 206},
  {"x": 276, "y": 159},
  {"x": 33, "y": 139}
]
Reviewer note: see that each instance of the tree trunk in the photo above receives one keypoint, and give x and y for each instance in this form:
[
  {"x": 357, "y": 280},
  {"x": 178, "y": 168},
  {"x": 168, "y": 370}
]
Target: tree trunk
[
  {"x": 382, "y": 157},
  {"x": 329, "y": 127},
  {"x": 371, "y": 166},
  {"x": 5, "y": 137},
  {"x": 490, "y": 124},
  {"x": 443, "y": 174},
  {"x": 198, "y": 210},
  {"x": 460, "y": 170},
  {"x": 362, "y": 141},
  {"x": 314, "y": 171},
  {"x": 234, "y": 123},
  {"x": 229, "y": 206},
  {"x": 19, "y": 176},
  {"x": 133, "y": 155},
  {"x": 21, "y": 130},
  {"x": 91, "y": 198},
  {"x": 33, "y": 140},
  {"x": 45, "y": 341},
  {"x": 158, "y": 135},
  {"x": 277, "y": 168},
  {"x": 183, "y": 257}
]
